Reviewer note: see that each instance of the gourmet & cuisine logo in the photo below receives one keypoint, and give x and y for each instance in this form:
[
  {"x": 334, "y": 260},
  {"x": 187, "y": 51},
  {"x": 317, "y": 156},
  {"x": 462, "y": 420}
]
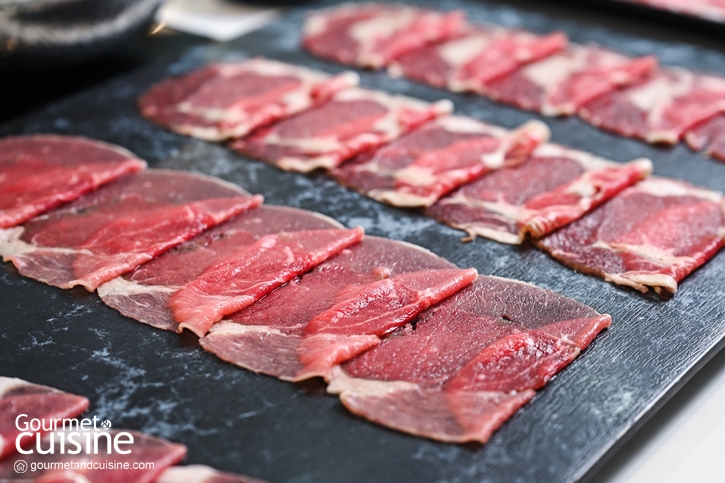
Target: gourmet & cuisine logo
[{"x": 90, "y": 436}]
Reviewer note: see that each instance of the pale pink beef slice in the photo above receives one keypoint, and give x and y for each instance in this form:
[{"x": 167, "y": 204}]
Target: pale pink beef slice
[
  {"x": 555, "y": 186},
  {"x": 661, "y": 108},
  {"x": 651, "y": 235},
  {"x": 352, "y": 121},
  {"x": 121, "y": 225},
  {"x": 710, "y": 136},
  {"x": 231, "y": 99},
  {"x": 143, "y": 294},
  {"x": 562, "y": 83},
  {"x": 39, "y": 172},
  {"x": 709, "y": 9},
  {"x": 476, "y": 57},
  {"x": 443, "y": 154},
  {"x": 373, "y": 34},
  {"x": 467, "y": 364},
  {"x": 286, "y": 340}
]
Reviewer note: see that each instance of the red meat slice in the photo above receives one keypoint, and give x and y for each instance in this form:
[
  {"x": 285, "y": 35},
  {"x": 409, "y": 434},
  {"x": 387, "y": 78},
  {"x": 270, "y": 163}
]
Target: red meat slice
[
  {"x": 202, "y": 474},
  {"x": 709, "y": 135},
  {"x": 304, "y": 339},
  {"x": 422, "y": 166},
  {"x": 372, "y": 34},
  {"x": 661, "y": 108},
  {"x": 651, "y": 235},
  {"x": 36, "y": 402},
  {"x": 354, "y": 120},
  {"x": 478, "y": 356},
  {"x": 555, "y": 186},
  {"x": 120, "y": 226},
  {"x": 39, "y": 172},
  {"x": 155, "y": 454},
  {"x": 220, "y": 101},
  {"x": 348, "y": 327},
  {"x": 143, "y": 294},
  {"x": 563, "y": 82},
  {"x": 252, "y": 271},
  {"x": 470, "y": 61}
]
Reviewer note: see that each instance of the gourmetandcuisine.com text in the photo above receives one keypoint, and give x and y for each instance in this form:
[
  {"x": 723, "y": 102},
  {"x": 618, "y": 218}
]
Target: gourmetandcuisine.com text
[{"x": 90, "y": 465}]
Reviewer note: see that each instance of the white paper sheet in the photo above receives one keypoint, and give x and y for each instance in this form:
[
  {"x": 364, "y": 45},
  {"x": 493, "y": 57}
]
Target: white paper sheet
[{"x": 219, "y": 20}]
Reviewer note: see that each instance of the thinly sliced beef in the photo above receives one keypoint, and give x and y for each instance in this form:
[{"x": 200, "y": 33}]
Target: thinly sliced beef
[
  {"x": 710, "y": 136},
  {"x": 475, "y": 58},
  {"x": 154, "y": 456},
  {"x": 253, "y": 271},
  {"x": 354, "y": 120},
  {"x": 651, "y": 235},
  {"x": 372, "y": 34},
  {"x": 41, "y": 171},
  {"x": 120, "y": 226},
  {"x": 202, "y": 474},
  {"x": 476, "y": 358},
  {"x": 339, "y": 309},
  {"x": 36, "y": 402},
  {"x": 422, "y": 166},
  {"x": 563, "y": 82},
  {"x": 143, "y": 294},
  {"x": 555, "y": 186},
  {"x": 336, "y": 335},
  {"x": 226, "y": 100},
  {"x": 661, "y": 108}
]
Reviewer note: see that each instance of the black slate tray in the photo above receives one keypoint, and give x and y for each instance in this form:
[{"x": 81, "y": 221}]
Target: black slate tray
[{"x": 164, "y": 384}]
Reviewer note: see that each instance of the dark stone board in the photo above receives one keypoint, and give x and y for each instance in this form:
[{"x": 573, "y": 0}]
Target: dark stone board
[{"x": 164, "y": 384}]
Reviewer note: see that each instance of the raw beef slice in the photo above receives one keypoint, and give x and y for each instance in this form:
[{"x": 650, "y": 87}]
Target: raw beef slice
[
  {"x": 555, "y": 186},
  {"x": 475, "y": 58},
  {"x": 154, "y": 454},
  {"x": 466, "y": 365},
  {"x": 37, "y": 402},
  {"x": 120, "y": 226},
  {"x": 143, "y": 294},
  {"x": 651, "y": 235},
  {"x": 226, "y": 100},
  {"x": 338, "y": 310},
  {"x": 709, "y": 135},
  {"x": 354, "y": 120},
  {"x": 372, "y": 34},
  {"x": 41, "y": 171},
  {"x": 251, "y": 272},
  {"x": 561, "y": 84},
  {"x": 422, "y": 166},
  {"x": 661, "y": 108},
  {"x": 202, "y": 474}
]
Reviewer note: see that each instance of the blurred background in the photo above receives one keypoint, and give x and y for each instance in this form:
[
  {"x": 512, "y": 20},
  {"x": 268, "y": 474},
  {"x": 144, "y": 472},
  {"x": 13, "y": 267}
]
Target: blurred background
[{"x": 52, "y": 48}]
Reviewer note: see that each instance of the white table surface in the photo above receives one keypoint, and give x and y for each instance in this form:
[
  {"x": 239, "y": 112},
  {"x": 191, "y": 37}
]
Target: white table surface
[{"x": 683, "y": 442}]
